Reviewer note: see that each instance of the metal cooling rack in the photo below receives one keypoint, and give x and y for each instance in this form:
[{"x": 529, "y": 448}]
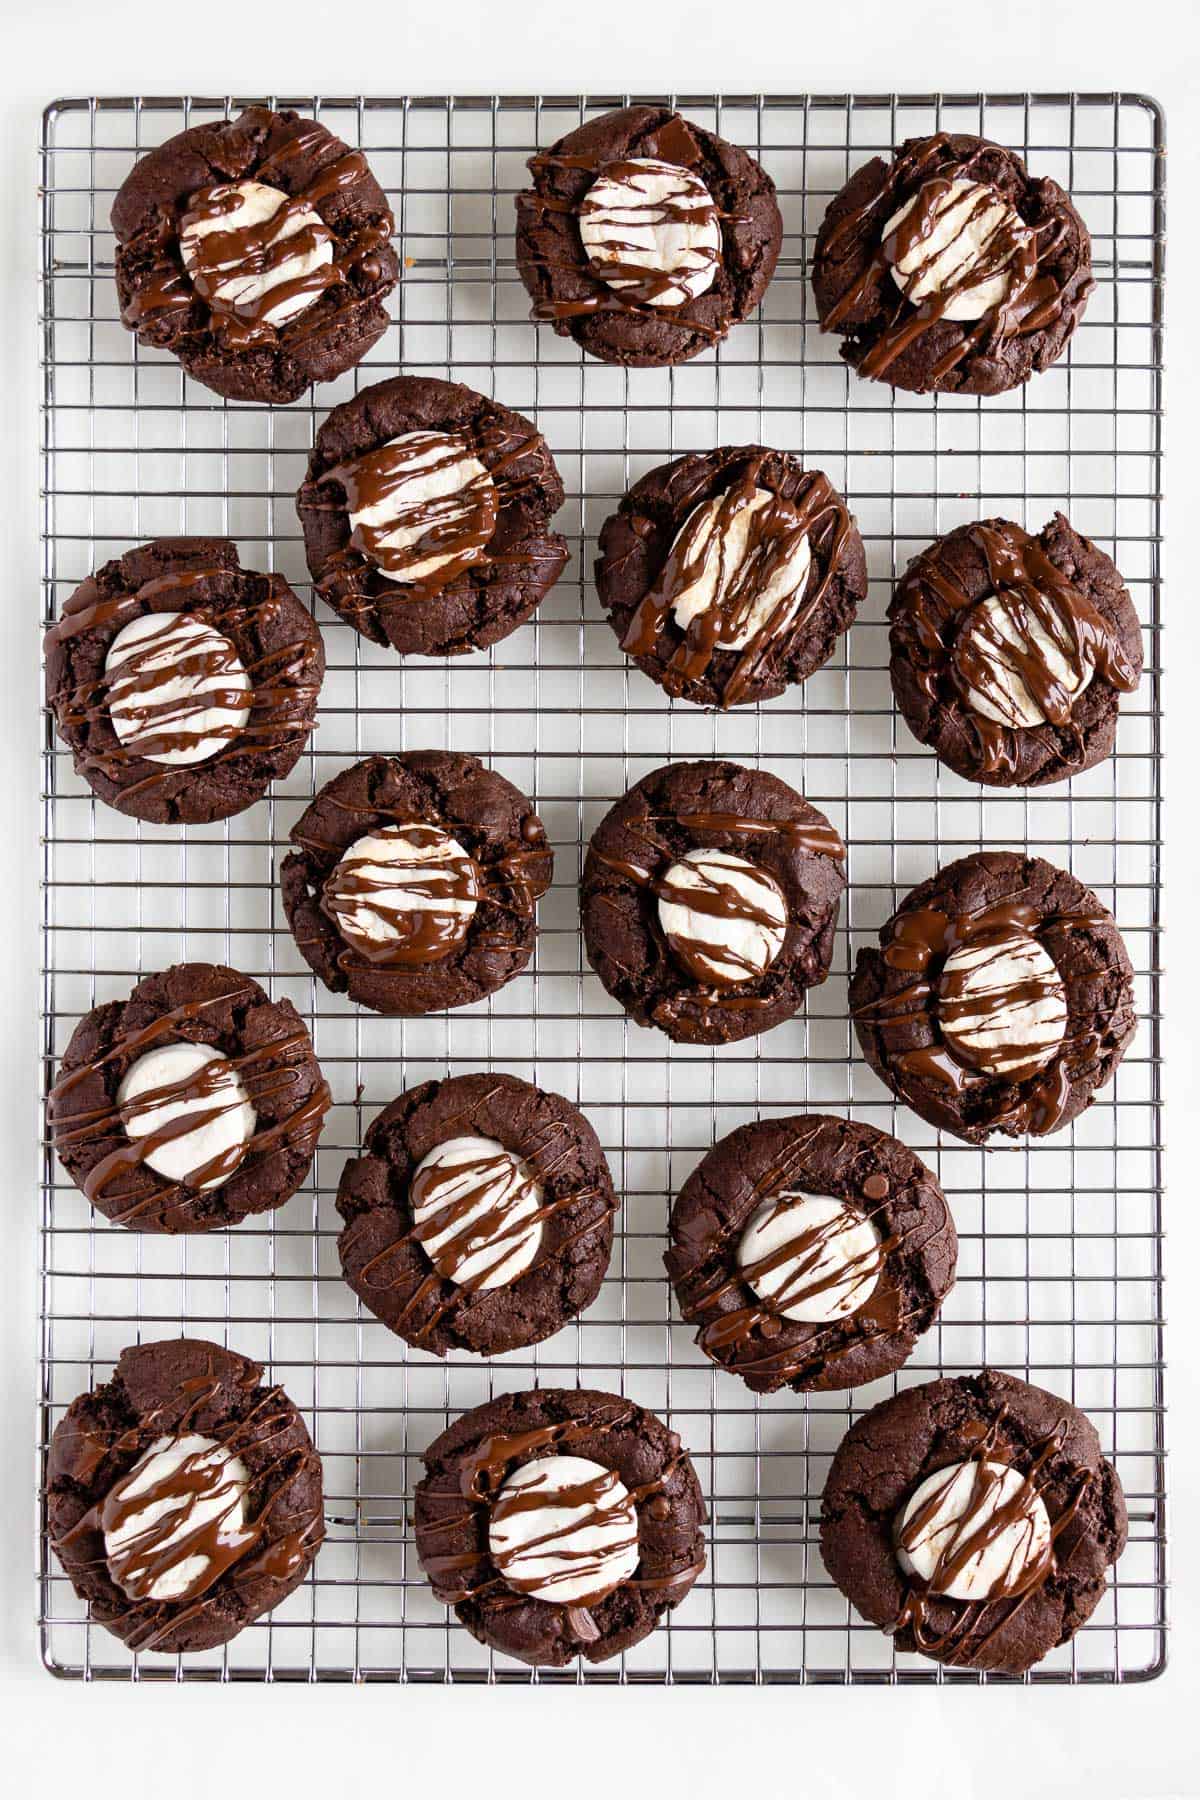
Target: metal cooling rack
[{"x": 1060, "y": 1267}]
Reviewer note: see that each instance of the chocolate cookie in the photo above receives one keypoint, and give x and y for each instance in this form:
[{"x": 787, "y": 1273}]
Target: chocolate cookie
[
  {"x": 426, "y": 513},
  {"x": 812, "y": 1253},
  {"x": 1000, "y": 999},
  {"x": 731, "y": 574},
  {"x": 414, "y": 880},
  {"x": 1010, "y": 652},
  {"x": 951, "y": 269},
  {"x": 257, "y": 251},
  {"x": 559, "y": 1523},
  {"x": 480, "y": 1216},
  {"x": 183, "y": 684},
  {"x": 201, "y": 1043},
  {"x": 710, "y": 897},
  {"x": 645, "y": 237},
  {"x": 183, "y": 1497},
  {"x": 973, "y": 1520}
]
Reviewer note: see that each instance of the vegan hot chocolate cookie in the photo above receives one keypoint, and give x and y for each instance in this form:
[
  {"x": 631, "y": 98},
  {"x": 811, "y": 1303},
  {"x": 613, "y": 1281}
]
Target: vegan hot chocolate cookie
[
  {"x": 191, "y": 1105},
  {"x": 731, "y": 574},
  {"x": 182, "y": 683},
  {"x": 559, "y": 1523},
  {"x": 951, "y": 269},
  {"x": 974, "y": 1520},
  {"x": 1000, "y": 997},
  {"x": 258, "y": 251},
  {"x": 810, "y": 1252},
  {"x": 426, "y": 513},
  {"x": 710, "y": 898},
  {"x": 646, "y": 237},
  {"x": 1010, "y": 651},
  {"x": 479, "y": 1216},
  {"x": 414, "y": 881},
  {"x": 183, "y": 1496}
]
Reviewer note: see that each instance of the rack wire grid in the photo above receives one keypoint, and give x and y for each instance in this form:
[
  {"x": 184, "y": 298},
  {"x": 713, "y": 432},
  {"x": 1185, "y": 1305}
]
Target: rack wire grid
[{"x": 1060, "y": 1266}]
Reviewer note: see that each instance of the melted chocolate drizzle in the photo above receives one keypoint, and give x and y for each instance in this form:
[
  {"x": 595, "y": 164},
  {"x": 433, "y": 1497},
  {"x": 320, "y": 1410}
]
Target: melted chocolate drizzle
[
  {"x": 414, "y": 936},
  {"x": 166, "y": 288},
  {"x": 1032, "y": 299},
  {"x": 776, "y": 530},
  {"x": 640, "y": 283},
  {"x": 973, "y": 1626}
]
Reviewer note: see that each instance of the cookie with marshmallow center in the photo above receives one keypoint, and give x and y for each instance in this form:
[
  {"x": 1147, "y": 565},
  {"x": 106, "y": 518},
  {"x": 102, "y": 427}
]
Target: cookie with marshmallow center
[
  {"x": 479, "y": 1216},
  {"x": 426, "y": 512},
  {"x": 184, "y": 1496},
  {"x": 1011, "y": 651},
  {"x": 191, "y": 1105},
  {"x": 810, "y": 1253},
  {"x": 729, "y": 575},
  {"x": 559, "y": 1523},
  {"x": 646, "y": 237},
  {"x": 710, "y": 897},
  {"x": 974, "y": 1520},
  {"x": 258, "y": 251},
  {"x": 1000, "y": 998},
  {"x": 183, "y": 684},
  {"x": 951, "y": 269}
]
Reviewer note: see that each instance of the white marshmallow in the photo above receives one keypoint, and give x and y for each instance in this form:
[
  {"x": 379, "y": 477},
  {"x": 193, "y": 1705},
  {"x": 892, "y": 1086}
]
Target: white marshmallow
[
  {"x": 580, "y": 1549},
  {"x": 832, "y": 1276},
  {"x": 397, "y": 862},
  {"x": 220, "y": 1100},
  {"x": 225, "y": 1501},
  {"x": 967, "y": 218},
  {"x": 1007, "y": 700},
  {"x": 722, "y": 560},
  {"x": 504, "y": 1200},
  {"x": 238, "y": 282},
  {"x": 189, "y": 660},
  {"x": 1000, "y": 1030},
  {"x": 754, "y": 945},
  {"x": 435, "y": 467},
  {"x": 625, "y": 219},
  {"x": 962, "y": 1508}
]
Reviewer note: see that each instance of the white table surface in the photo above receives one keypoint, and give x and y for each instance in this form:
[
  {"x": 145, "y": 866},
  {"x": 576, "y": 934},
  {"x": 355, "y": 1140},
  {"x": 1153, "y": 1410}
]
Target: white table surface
[{"x": 1124, "y": 1742}]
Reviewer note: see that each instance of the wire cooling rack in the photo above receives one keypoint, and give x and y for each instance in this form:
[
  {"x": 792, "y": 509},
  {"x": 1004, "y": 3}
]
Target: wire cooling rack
[{"x": 1059, "y": 1277}]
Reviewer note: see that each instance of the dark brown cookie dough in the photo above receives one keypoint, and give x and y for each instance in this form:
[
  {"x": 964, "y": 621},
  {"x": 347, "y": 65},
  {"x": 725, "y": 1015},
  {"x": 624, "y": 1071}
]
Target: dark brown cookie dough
[
  {"x": 990, "y": 1417},
  {"x": 267, "y": 1047},
  {"x": 889, "y": 1292},
  {"x": 506, "y": 868},
  {"x": 256, "y": 617},
  {"x": 1040, "y": 629},
  {"x": 504, "y": 558},
  {"x": 795, "y": 859},
  {"x": 426, "y": 1279},
  {"x": 184, "y": 1387},
  {"x": 236, "y": 349},
  {"x": 619, "y": 325},
  {"x": 641, "y": 571},
  {"x": 1020, "y": 1041},
  {"x": 466, "y": 1469},
  {"x": 1034, "y": 245}
]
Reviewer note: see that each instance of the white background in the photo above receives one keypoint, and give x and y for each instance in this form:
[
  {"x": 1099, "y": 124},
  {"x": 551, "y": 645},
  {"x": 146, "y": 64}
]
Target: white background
[{"x": 56, "y": 1738}]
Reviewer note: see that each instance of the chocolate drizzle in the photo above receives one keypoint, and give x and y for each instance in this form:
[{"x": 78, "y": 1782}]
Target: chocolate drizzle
[
  {"x": 1012, "y": 248},
  {"x": 775, "y": 531},
  {"x": 974, "y": 1622},
  {"x": 596, "y": 1496},
  {"x": 451, "y": 884},
  {"x": 617, "y": 259},
  {"x": 268, "y": 1072},
  {"x": 260, "y": 249},
  {"x": 945, "y": 635}
]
